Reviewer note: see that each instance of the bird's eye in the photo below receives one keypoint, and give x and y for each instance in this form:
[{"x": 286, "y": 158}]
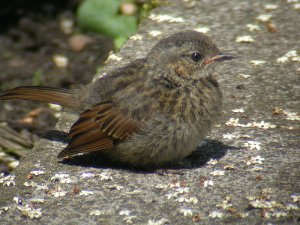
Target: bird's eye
[{"x": 196, "y": 57}]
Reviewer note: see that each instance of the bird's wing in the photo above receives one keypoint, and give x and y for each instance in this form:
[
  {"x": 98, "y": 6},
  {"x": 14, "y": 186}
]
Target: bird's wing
[{"x": 99, "y": 128}]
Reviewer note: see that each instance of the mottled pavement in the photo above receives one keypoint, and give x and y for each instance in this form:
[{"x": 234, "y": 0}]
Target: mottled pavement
[{"x": 248, "y": 170}]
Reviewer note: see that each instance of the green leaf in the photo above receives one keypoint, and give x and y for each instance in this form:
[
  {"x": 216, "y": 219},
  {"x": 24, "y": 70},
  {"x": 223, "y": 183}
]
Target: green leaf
[{"x": 102, "y": 16}]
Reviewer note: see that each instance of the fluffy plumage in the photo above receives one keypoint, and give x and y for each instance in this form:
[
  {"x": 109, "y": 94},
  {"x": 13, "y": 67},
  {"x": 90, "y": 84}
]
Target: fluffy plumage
[{"x": 151, "y": 112}]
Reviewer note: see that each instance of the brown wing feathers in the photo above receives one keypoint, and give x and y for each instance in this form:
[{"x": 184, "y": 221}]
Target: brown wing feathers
[
  {"x": 91, "y": 141},
  {"x": 97, "y": 129}
]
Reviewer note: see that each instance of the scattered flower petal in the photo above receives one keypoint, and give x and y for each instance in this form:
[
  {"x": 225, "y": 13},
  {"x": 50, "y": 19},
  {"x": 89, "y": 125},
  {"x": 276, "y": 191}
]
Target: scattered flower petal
[
  {"x": 297, "y": 6},
  {"x": 97, "y": 212},
  {"x": 37, "y": 172},
  {"x": 87, "y": 175},
  {"x": 85, "y": 193},
  {"x": 207, "y": 183},
  {"x": 289, "y": 56},
  {"x": 104, "y": 176},
  {"x": 62, "y": 178},
  {"x": 125, "y": 212},
  {"x": 244, "y": 75},
  {"x": 255, "y": 160},
  {"x": 204, "y": 30},
  {"x": 291, "y": 115},
  {"x": 212, "y": 162},
  {"x": 290, "y": 206},
  {"x": 186, "y": 212},
  {"x": 244, "y": 39},
  {"x": 234, "y": 122},
  {"x": 270, "y": 7},
  {"x": 218, "y": 173},
  {"x": 253, "y": 27},
  {"x": 129, "y": 219},
  {"x": 114, "y": 57},
  {"x": 114, "y": 187},
  {"x": 136, "y": 37},
  {"x": 264, "y": 17},
  {"x": 241, "y": 110},
  {"x": 257, "y": 62},
  {"x": 229, "y": 136},
  {"x": 295, "y": 197},
  {"x": 216, "y": 214},
  {"x": 229, "y": 167},
  {"x": 17, "y": 200},
  {"x": 41, "y": 187},
  {"x": 60, "y": 61},
  {"x": 155, "y": 33},
  {"x": 29, "y": 184},
  {"x": 30, "y": 212},
  {"x": 257, "y": 168},
  {"x": 7, "y": 180},
  {"x": 252, "y": 145},
  {"x": 4, "y": 209},
  {"x": 166, "y": 18},
  {"x": 162, "y": 221}
]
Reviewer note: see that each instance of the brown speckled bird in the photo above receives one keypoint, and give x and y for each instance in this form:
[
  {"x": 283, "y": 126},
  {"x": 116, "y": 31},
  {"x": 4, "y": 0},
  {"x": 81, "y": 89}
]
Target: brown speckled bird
[{"x": 151, "y": 112}]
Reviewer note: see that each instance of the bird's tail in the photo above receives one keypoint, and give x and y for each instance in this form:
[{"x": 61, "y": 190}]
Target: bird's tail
[{"x": 58, "y": 96}]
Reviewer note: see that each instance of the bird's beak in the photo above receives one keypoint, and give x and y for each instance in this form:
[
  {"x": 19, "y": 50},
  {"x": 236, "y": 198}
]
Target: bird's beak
[{"x": 219, "y": 57}]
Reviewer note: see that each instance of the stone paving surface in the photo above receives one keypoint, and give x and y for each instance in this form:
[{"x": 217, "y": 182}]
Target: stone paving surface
[{"x": 248, "y": 170}]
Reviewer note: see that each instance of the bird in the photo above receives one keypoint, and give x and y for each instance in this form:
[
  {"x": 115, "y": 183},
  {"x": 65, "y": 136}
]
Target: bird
[{"x": 151, "y": 112}]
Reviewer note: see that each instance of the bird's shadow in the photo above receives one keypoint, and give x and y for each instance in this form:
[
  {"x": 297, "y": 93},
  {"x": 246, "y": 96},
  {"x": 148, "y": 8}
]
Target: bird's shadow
[{"x": 210, "y": 149}]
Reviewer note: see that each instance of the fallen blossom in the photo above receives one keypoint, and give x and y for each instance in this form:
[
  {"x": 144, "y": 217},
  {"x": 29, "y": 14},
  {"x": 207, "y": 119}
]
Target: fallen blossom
[
  {"x": 271, "y": 7},
  {"x": 97, "y": 212},
  {"x": 216, "y": 214},
  {"x": 7, "y": 180},
  {"x": 244, "y": 39},
  {"x": 245, "y": 76},
  {"x": 162, "y": 221},
  {"x": 85, "y": 193},
  {"x": 186, "y": 212},
  {"x": 229, "y": 136},
  {"x": 241, "y": 110},
  {"x": 165, "y": 18},
  {"x": 264, "y": 17},
  {"x": 291, "y": 55},
  {"x": 155, "y": 33},
  {"x": 30, "y": 212},
  {"x": 124, "y": 212},
  {"x": 105, "y": 176},
  {"x": 257, "y": 62},
  {"x": 87, "y": 175},
  {"x": 202, "y": 29},
  {"x": 37, "y": 172},
  {"x": 290, "y": 206},
  {"x": 255, "y": 160},
  {"x": 136, "y": 37},
  {"x": 253, "y": 27},
  {"x": 252, "y": 145},
  {"x": 62, "y": 178},
  {"x": 207, "y": 183},
  {"x": 295, "y": 197},
  {"x": 212, "y": 162},
  {"x": 218, "y": 173}
]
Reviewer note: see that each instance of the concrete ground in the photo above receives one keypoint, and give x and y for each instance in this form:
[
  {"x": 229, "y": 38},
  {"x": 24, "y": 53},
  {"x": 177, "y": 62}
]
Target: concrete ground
[{"x": 247, "y": 171}]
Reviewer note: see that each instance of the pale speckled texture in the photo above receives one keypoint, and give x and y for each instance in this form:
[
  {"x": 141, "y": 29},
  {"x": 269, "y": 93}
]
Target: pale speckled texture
[{"x": 149, "y": 196}]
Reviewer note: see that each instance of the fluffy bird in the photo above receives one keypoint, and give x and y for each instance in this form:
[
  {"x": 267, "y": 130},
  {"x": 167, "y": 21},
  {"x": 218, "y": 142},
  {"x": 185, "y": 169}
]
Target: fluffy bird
[{"x": 151, "y": 112}]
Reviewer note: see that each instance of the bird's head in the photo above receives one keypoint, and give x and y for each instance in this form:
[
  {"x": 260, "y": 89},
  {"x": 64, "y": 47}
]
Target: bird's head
[{"x": 188, "y": 55}]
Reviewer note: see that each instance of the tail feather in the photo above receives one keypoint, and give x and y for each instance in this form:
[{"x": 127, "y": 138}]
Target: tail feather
[{"x": 58, "y": 96}]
